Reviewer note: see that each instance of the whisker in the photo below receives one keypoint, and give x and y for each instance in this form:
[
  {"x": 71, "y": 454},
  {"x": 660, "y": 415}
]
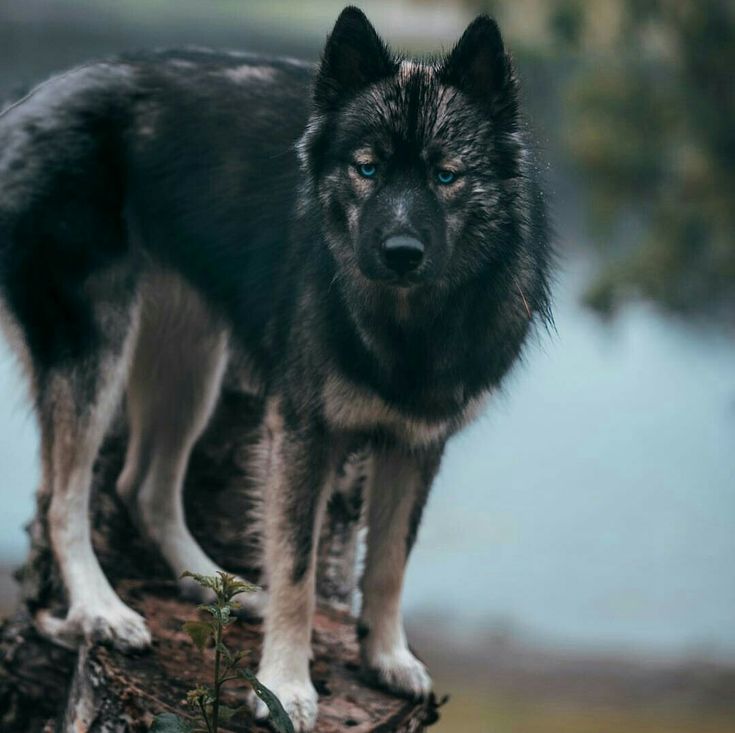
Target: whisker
[{"x": 525, "y": 302}]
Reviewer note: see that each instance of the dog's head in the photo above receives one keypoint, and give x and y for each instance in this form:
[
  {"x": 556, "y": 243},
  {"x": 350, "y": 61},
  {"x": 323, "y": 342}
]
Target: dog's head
[{"x": 415, "y": 165}]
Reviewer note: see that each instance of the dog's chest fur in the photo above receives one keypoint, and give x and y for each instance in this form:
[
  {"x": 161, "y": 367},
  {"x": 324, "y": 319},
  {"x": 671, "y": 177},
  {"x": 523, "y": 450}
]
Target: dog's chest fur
[{"x": 350, "y": 407}]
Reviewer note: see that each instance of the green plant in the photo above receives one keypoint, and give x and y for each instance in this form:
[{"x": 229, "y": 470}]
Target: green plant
[{"x": 205, "y": 700}]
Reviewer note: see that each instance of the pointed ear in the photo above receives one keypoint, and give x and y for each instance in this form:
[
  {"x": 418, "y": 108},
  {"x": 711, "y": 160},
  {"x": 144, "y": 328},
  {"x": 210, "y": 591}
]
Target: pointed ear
[
  {"x": 480, "y": 67},
  {"x": 354, "y": 57}
]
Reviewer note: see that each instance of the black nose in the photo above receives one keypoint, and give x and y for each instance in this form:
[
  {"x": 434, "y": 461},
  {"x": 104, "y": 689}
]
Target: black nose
[{"x": 402, "y": 253}]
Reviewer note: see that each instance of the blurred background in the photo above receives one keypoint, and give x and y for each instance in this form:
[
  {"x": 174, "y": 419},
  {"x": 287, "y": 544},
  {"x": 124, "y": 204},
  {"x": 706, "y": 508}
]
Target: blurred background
[{"x": 575, "y": 571}]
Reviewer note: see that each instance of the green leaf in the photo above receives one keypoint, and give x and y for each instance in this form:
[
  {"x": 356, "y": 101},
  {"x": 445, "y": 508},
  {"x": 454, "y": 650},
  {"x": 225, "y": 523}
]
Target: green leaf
[
  {"x": 209, "y": 608},
  {"x": 224, "y": 585},
  {"x": 206, "y": 581},
  {"x": 199, "y": 632},
  {"x": 170, "y": 723},
  {"x": 279, "y": 719},
  {"x": 232, "y": 585},
  {"x": 224, "y": 615}
]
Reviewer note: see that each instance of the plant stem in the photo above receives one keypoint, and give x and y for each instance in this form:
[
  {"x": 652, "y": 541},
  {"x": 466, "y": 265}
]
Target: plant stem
[
  {"x": 205, "y": 718},
  {"x": 215, "y": 704}
]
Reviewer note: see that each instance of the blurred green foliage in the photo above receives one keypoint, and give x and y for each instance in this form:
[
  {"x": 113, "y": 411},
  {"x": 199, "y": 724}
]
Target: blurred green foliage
[{"x": 653, "y": 131}]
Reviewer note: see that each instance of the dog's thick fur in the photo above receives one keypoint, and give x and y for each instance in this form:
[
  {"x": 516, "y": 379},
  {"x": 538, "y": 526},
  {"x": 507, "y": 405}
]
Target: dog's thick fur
[{"x": 158, "y": 212}]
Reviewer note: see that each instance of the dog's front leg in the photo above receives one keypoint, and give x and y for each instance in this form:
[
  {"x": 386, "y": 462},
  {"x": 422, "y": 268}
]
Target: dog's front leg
[
  {"x": 398, "y": 492},
  {"x": 299, "y": 469}
]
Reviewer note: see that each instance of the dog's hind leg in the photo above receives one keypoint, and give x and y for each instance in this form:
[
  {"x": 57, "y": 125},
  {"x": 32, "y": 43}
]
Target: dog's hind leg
[
  {"x": 180, "y": 359},
  {"x": 76, "y": 402}
]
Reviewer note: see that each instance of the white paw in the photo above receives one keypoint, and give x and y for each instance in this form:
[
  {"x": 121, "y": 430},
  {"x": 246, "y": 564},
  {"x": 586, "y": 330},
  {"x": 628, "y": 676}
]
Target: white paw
[
  {"x": 112, "y": 623},
  {"x": 299, "y": 700},
  {"x": 400, "y": 672}
]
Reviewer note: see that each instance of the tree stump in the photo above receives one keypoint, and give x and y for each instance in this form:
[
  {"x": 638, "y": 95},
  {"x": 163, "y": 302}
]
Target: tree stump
[{"x": 47, "y": 689}]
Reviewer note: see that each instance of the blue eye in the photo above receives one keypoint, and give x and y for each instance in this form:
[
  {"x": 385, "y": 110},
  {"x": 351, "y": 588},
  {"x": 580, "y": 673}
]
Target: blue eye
[
  {"x": 367, "y": 170},
  {"x": 445, "y": 177}
]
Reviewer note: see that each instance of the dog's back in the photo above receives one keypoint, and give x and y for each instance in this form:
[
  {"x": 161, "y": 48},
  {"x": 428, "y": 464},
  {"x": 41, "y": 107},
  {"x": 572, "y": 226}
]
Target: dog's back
[
  {"x": 187, "y": 159},
  {"x": 144, "y": 211}
]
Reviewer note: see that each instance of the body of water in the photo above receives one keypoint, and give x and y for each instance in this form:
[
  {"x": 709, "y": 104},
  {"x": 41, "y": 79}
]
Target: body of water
[{"x": 594, "y": 504}]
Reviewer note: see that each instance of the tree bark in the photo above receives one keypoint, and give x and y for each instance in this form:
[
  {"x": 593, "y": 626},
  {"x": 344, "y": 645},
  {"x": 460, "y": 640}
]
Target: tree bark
[{"x": 47, "y": 689}]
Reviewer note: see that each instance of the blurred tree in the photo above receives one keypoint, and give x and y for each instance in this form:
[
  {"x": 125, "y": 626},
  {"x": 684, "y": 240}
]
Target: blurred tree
[
  {"x": 653, "y": 129},
  {"x": 566, "y": 22}
]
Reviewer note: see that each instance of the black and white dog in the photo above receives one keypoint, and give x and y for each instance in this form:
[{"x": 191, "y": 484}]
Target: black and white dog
[{"x": 369, "y": 236}]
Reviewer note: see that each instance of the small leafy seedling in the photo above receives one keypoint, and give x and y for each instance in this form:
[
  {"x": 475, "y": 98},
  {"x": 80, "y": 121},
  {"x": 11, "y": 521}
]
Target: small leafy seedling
[{"x": 205, "y": 700}]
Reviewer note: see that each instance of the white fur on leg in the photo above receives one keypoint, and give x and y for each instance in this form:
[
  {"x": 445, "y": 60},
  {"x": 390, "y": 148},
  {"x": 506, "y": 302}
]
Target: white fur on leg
[
  {"x": 162, "y": 515},
  {"x": 95, "y": 611},
  {"x": 384, "y": 650},
  {"x": 166, "y": 526},
  {"x": 386, "y": 656},
  {"x": 284, "y": 664},
  {"x": 180, "y": 360}
]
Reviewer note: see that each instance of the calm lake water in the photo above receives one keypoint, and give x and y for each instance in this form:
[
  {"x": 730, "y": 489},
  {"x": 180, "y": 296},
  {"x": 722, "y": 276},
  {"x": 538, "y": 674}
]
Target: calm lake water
[{"x": 593, "y": 506}]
